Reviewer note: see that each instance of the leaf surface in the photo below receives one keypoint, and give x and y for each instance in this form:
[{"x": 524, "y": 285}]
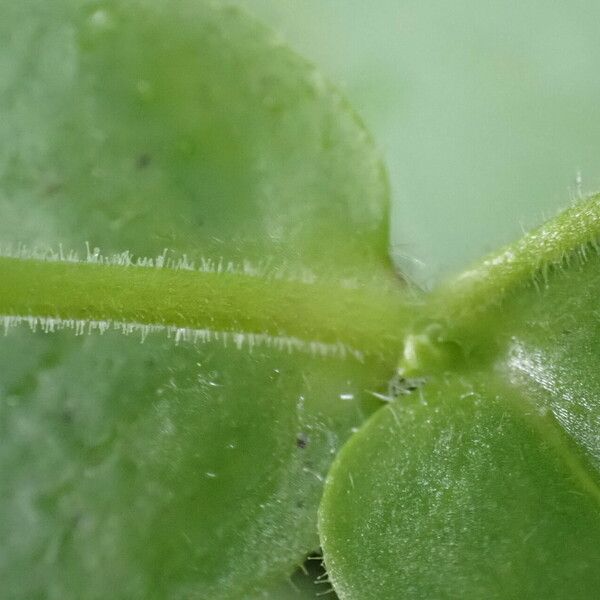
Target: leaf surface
[
  {"x": 136, "y": 127},
  {"x": 486, "y": 481},
  {"x": 465, "y": 492},
  {"x": 149, "y": 470}
]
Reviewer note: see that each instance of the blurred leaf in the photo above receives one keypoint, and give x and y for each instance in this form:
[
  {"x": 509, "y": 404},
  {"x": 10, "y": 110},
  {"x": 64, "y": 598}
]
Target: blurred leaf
[
  {"x": 487, "y": 112},
  {"x": 141, "y": 471}
]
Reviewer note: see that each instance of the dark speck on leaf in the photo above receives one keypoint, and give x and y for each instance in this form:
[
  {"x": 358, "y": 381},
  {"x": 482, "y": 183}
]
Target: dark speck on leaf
[
  {"x": 399, "y": 386},
  {"x": 302, "y": 441},
  {"x": 142, "y": 161}
]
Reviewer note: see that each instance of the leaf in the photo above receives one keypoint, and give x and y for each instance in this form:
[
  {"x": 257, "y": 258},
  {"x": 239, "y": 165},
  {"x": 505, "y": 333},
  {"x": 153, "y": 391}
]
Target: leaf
[
  {"x": 153, "y": 470},
  {"x": 486, "y": 483},
  {"x": 552, "y": 356},
  {"x": 160, "y": 470},
  {"x": 466, "y": 492},
  {"x": 518, "y": 109},
  {"x": 194, "y": 130}
]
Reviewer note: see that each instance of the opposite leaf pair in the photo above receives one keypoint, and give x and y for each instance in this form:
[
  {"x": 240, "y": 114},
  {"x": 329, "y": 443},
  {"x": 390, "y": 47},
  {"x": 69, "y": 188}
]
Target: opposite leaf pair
[{"x": 141, "y": 471}]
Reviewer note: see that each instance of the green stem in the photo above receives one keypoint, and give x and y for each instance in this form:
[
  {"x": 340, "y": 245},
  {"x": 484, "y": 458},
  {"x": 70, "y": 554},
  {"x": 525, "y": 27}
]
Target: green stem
[
  {"x": 461, "y": 312},
  {"x": 368, "y": 319},
  {"x": 572, "y": 235}
]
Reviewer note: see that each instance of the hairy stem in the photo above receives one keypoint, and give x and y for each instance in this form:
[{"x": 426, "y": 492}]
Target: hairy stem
[
  {"x": 461, "y": 314},
  {"x": 571, "y": 235},
  {"x": 368, "y": 319}
]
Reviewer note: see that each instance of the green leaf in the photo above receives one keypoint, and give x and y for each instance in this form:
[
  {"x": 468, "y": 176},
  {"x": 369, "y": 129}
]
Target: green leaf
[
  {"x": 154, "y": 469},
  {"x": 467, "y": 491},
  {"x": 513, "y": 135},
  {"x": 148, "y": 470},
  {"x": 485, "y": 482},
  {"x": 136, "y": 127},
  {"x": 547, "y": 342}
]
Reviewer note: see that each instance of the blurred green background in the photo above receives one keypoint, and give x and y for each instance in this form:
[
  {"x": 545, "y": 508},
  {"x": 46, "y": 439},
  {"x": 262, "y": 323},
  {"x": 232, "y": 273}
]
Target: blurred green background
[{"x": 487, "y": 113}]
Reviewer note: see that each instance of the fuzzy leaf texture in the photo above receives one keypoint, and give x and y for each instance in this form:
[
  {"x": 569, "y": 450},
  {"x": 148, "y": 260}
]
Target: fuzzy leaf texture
[
  {"x": 485, "y": 483},
  {"x": 152, "y": 470}
]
